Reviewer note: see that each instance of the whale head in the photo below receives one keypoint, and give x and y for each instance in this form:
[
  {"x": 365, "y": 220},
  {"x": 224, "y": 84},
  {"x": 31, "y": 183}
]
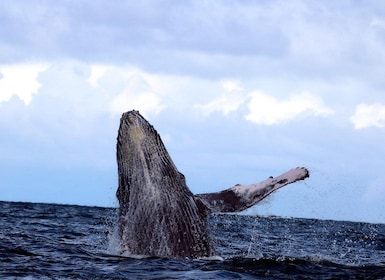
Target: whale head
[{"x": 142, "y": 155}]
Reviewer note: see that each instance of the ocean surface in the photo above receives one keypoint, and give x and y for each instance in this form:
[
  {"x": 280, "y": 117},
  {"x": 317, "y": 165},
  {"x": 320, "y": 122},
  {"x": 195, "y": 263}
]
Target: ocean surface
[{"x": 48, "y": 241}]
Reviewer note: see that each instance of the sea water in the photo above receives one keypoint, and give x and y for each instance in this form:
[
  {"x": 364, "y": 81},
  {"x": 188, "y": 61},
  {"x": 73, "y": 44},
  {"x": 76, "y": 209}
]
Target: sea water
[{"x": 48, "y": 241}]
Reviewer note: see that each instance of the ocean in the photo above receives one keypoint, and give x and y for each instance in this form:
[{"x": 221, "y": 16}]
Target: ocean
[{"x": 51, "y": 241}]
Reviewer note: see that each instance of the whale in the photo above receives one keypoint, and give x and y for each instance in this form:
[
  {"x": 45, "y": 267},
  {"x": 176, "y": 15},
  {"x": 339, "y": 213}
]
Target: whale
[{"x": 158, "y": 214}]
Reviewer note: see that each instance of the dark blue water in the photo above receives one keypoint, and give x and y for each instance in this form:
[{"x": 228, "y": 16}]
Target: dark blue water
[{"x": 46, "y": 241}]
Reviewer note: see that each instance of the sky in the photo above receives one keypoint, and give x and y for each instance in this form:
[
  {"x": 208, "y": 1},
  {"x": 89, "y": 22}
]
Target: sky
[{"x": 238, "y": 90}]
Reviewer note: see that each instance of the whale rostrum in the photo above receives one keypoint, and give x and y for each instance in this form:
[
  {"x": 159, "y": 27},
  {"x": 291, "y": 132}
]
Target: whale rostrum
[{"x": 158, "y": 214}]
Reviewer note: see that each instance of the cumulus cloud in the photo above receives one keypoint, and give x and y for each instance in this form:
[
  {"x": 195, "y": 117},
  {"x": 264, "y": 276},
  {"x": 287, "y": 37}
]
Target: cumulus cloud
[
  {"x": 56, "y": 109},
  {"x": 137, "y": 95},
  {"x": 67, "y": 98},
  {"x": 368, "y": 115},
  {"x": 266, "y": 109},
  {"x": 138, "y": 90},
  {"x": 97, "y": 72},
  {"x": 225, "y": 103},
  {"x": 231, "y": 85},
  {"x": 20, "y": 80}
]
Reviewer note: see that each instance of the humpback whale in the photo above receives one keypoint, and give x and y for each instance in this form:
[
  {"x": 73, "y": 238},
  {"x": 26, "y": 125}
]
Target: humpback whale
[{"x": 158, "y": 214}]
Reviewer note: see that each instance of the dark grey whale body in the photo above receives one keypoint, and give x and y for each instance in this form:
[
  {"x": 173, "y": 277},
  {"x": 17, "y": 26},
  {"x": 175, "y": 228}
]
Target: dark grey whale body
[{"x": 158, "y": 214}]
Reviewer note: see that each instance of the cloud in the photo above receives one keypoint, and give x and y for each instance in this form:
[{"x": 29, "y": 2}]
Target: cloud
[
  {"x": 201, "y": 38},
  {"x": 266, "y": 109},
  {"x": 63, "y": 113},
  {"x": 20, "y": 80},
  {"x": 226, "y": 103},
  {"x": 136, "y": 89},
  {"x": 227, "y": 28},
  {"x": 97, "y": 72},
  {"x": 231, "y": 85},
  {"x": 368, "y": 115},
  {"x": 135, "y": 98},
  {"x": 66, "y": 99}
]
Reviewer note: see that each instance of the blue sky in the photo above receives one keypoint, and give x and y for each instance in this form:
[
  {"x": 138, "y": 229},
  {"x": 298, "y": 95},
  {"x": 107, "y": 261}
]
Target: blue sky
[{"x": 238, "y": 90}]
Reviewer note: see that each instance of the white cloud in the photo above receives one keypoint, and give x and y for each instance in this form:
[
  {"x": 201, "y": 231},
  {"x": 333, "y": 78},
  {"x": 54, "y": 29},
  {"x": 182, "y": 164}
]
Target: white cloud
[
  {"x": 232, "y": 85},
  {"x": 139, "y": 95},
  {"x": 368, "y": 115},
  {"x": 20, "y": 80},
  {"x": 97, "y": 71},
  {"x": 147, "y": 103},
  {"x": 226, "y": 104},
  {"x": 266, "y": 109},
  {"x": 128, "y": 88}
]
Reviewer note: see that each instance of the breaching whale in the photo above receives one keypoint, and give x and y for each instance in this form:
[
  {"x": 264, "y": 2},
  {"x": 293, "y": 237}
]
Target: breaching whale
[{"x": 158, "y": 214}]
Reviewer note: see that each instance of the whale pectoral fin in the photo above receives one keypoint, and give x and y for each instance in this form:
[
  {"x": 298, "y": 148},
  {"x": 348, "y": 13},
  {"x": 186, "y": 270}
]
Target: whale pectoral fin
[{"x": 241, "y": 197}]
